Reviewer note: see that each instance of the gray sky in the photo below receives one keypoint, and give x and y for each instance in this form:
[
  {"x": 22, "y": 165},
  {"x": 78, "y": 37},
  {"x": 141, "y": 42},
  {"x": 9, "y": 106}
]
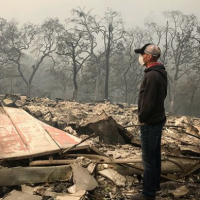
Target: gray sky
[{"x": 134, "y": 12}]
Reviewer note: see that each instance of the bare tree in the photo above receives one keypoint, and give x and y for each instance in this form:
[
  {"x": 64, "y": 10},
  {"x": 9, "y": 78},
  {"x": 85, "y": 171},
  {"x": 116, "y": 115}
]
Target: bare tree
[
  {"x": 77, "y": 43},
  {"x": 182, "y": 51},
  {"x": 194, "y": 84},
  {"x": 45, "y": 45},
  {"x": 15, "y": 42},
  {"x": 28, "y": 39},
  {"x": 61, "y": 70},
  {"x": 92, "y": 26},
  {"x": 112, "y": 29}
]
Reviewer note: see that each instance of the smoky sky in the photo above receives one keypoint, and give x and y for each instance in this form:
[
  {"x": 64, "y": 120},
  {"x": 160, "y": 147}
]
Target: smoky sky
[{"x": 133, "y": 12}]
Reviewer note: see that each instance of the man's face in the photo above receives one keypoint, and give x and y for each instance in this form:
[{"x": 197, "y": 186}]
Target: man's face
[{"x": 146, "y": 58}]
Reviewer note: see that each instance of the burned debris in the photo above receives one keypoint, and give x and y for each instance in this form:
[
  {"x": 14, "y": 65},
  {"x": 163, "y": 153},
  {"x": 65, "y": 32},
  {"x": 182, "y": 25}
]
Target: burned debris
[{"x": 68, "y": 150}]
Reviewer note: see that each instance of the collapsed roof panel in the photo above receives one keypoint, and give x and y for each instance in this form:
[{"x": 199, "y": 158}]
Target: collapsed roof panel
[
  {"x": 62, "y": 139},
  {"x": 23, "y": 136}
]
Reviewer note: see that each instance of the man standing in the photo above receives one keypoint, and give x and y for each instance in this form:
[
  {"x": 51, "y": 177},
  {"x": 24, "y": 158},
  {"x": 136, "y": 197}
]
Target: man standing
[{"x": 151, "y": 115}]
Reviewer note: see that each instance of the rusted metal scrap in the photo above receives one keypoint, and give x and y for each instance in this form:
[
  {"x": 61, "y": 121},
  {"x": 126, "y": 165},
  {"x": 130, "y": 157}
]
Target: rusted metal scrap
[{"x": 23, "y": 136}]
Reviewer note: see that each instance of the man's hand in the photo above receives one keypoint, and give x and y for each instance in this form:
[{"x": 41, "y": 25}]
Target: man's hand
[{"x": 141, "y": 124}]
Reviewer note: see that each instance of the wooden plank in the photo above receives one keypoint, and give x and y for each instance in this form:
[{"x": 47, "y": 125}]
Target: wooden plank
[
  {"x": 17, "y": 195},
  {"x": 190, "y": 149},
  {"x": 25, "y": 175},
  {"x": 101, "y": 160}
]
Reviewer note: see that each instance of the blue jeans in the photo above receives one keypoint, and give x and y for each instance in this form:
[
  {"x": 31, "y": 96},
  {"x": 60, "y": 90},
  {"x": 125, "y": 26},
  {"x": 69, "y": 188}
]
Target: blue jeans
[{"x": 151, "y": 157}]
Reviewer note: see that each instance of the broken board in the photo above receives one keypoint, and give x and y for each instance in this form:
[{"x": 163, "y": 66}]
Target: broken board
[{"x": 31, "y": 175}]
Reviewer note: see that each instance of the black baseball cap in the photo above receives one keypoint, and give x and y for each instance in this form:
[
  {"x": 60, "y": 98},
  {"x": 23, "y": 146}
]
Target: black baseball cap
[{"x": 149, "y": 48}]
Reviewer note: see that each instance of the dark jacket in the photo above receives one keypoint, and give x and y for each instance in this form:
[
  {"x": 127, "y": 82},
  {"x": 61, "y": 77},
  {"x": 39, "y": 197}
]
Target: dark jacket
[{"x": 152, "y": 94}]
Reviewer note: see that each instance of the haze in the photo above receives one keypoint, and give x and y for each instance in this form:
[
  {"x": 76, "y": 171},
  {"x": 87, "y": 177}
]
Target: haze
[{"x": 133, "y": 12}]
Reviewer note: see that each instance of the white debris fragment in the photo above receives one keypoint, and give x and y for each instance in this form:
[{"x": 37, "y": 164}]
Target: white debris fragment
[
  {"x": 114, "y": 176},
  {"x": 83, "y": 179}
]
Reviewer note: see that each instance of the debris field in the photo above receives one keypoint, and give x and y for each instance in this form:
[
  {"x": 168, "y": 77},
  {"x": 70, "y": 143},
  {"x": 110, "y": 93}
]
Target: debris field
[{"x": 57, "y": 150}]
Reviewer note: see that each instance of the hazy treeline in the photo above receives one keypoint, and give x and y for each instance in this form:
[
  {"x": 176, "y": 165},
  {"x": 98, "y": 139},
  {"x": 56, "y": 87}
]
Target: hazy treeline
[{"x": 90, "y": 58}]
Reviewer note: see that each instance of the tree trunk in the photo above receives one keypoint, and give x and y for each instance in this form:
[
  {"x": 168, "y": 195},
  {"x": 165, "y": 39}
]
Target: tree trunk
[
  {"x": 172, "y": 97},
  {"x": 75, "y": 89},
  {"x": 97, "y": 83},
  {"x": 126, "y": 89},
  {"x": 126, "y": 84},
  {"x": 64, "y": 91},
  {"x": 11, "y": 85},
  {"x": 171, "y": 106},
  {"x": 193, "y": 95},
  {"x": 135, "y": 91},
  {"x": 75, "y": 93},
  {"x": 29, "y": 89},
  {"x": 107, "y": 66},
  {"x": 23, "y": 77},
  {"x": 107, "y": 78}
]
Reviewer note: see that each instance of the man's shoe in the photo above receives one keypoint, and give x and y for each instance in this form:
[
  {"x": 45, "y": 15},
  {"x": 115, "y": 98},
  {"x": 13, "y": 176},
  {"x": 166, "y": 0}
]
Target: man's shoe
[
  {"x": 140, "y": 196},
  {"x": 140, "y": 188}
]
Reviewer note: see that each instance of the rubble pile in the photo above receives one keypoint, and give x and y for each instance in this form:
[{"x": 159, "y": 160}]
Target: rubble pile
[{"x": 106, "y": 163}]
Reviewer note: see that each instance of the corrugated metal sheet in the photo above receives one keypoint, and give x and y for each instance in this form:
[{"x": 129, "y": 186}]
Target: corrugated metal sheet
[{"x": 22, "y": 136}]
